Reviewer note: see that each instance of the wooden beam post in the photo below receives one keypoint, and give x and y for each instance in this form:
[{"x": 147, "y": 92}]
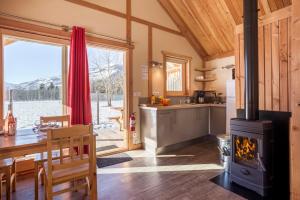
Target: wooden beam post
[
  {"x": 150, "y": 54},
  {"x": 128, "y": 21},
  {"x": 295, "y": 100}
]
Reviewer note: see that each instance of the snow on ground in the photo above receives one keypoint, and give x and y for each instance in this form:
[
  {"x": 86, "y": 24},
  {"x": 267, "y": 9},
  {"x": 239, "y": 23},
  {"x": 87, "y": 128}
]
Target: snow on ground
[{"x": 27, "y": 112}]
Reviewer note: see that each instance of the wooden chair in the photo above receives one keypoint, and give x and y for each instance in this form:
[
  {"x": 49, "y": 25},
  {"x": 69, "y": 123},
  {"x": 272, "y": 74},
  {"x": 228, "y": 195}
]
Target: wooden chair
[
  {"x": 77, "y": 166},
  {"x": 39, "y": 159},
  {"x": 63, "y": 119},
  {"x": 8, "y": 171}
]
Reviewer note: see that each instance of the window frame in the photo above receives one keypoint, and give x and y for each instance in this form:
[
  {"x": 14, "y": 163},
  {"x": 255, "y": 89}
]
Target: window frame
[
  {"x": 39, "y": 39},
  {"x": 185, "y": 61}
]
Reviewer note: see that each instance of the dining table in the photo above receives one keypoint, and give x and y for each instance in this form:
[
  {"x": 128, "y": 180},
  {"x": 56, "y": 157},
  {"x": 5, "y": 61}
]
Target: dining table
[{"x": 26, "y": 142}]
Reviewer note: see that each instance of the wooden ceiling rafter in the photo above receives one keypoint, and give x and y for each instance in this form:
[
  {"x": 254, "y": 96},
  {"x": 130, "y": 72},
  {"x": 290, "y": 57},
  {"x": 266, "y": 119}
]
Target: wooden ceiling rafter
[
  {"x": 205, "y": 36},
  {"x": 177, "y": 19},
  {"x": 205, "y": 28},
  {"x": 216, "y": 20},
  {"x": 234, "y": 11},
  {"x": 209, "y": 27},
  {"x": 265, "y": 5},
  {"x": 213, "y": 23}
]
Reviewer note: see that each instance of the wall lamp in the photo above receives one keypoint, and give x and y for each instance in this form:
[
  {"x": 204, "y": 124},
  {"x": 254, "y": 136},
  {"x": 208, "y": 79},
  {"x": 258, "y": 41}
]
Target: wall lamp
[{"x": 155, "y": 64}]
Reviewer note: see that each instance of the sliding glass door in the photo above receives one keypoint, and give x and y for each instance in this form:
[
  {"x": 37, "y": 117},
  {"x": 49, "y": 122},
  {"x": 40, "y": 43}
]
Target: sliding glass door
[{"x": 107, "y": 80}]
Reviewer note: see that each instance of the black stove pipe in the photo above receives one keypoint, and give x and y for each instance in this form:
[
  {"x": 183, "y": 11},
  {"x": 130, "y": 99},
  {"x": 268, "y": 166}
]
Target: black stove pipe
[{"x": 251, "y": 59}]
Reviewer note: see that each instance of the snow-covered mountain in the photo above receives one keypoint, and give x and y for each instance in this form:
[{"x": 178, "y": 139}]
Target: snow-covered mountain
[{"x": 36, "y": 84}]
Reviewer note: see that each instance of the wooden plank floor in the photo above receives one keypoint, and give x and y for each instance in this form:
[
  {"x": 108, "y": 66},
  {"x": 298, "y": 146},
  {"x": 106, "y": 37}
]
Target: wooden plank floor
[{"x": 180, "y": 175}]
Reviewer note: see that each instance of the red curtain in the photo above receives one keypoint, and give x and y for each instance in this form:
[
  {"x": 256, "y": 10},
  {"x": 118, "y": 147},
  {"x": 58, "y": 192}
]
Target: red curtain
[{"x": 79, "y": 100}]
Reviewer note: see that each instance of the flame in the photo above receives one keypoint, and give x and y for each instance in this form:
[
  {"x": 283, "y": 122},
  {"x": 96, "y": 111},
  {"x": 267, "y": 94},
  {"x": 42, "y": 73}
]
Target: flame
[{"x": 245, "y": 148}]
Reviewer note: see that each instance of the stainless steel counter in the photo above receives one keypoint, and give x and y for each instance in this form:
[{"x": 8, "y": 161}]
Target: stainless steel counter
[
  {"x": 164, "y": 127},
  {"x": 181, "y": 106}
]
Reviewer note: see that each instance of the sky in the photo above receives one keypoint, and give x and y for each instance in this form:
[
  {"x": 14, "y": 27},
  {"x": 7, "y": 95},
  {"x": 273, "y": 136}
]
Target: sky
[{"x": 27, "y": 61}]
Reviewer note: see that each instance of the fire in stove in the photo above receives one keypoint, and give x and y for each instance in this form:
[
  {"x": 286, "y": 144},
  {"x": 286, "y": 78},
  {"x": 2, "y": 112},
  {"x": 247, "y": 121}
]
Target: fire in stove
[{"x": 245, "y": 150}]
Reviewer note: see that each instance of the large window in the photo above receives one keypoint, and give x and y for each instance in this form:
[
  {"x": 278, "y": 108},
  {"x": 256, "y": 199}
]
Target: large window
[
  {"x": 176, "y": 75},
  {"x": 33, "y": 71}
]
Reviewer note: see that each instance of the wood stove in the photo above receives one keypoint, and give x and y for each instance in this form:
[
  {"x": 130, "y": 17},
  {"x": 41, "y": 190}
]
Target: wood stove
[
  {"x": 252, "y": 154},
  {"x": 251, "y": 138}
]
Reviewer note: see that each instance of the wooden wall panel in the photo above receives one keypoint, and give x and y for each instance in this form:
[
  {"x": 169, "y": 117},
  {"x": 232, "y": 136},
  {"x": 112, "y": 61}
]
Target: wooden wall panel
[
  {"x": 242, "y": 71},
  {"x": 274, "y": 66},
  {"x": 283, "y": 63},
  {"x": 295, "y": 102},
  {"x": 237, "y": 71},
  {"x": 268, "y": 66},
  {"x": 261, "y": 69}
]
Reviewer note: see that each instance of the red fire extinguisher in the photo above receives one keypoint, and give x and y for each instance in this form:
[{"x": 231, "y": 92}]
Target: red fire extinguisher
[{"x": 132, "y": 122}]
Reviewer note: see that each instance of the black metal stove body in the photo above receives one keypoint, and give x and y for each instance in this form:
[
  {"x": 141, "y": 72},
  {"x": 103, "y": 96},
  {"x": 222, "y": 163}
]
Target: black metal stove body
[{"x": 252, "y": 154}]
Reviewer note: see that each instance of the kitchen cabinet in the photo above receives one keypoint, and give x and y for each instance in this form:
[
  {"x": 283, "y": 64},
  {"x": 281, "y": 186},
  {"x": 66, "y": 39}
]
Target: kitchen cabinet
[
  {"x": 217, "y": 120},
  {"x": 163, "y": 127}
]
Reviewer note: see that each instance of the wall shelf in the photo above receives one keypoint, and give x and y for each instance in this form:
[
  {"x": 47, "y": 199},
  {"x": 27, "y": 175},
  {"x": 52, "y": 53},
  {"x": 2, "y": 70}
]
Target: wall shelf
[{"x": 205, "y": 69}]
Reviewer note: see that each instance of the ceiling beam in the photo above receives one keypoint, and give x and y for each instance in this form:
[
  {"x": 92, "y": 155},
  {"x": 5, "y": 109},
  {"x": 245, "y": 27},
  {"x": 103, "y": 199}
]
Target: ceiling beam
[
  {"x": 266, "y": 6},
  {"x": 186, "y": 32},
  {"x": 122, "y": 15}
]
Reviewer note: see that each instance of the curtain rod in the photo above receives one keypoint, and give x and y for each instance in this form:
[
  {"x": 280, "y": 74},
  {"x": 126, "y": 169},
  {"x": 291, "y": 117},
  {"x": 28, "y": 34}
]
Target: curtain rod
[{"x": 63, "y": 27}]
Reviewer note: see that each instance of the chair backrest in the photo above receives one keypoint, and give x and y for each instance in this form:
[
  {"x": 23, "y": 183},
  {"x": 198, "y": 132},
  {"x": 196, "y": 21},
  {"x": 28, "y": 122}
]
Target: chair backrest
[
  {"x": 63, "y": 119},
  {"x": 76, "y": 138}
]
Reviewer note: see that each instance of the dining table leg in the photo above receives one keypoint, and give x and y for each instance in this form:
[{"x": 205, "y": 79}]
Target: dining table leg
[
  {"x": 36, "y": 181},
  {"x": 8, "y": 177},
  {"x": 14, "y": 174}
]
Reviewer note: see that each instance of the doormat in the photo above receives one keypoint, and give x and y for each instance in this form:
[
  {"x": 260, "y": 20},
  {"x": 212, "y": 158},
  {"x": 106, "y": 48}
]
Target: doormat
[
  {"x": 105, "y": 148},
  {"x": 113, "y": 160},
  {"x": 223, "y": 181}
]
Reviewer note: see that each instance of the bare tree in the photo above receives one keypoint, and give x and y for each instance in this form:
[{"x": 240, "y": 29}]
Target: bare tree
[{"x": 109, "y": 73}]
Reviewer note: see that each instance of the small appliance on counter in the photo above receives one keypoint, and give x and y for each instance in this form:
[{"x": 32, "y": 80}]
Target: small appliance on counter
[
  {"x": 199, "y": 96},
  {"x": 210, "y": 96}
]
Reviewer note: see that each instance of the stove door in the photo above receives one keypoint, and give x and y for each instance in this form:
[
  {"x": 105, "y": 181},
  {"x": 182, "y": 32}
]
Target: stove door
[{"x": 245, "y": 151}]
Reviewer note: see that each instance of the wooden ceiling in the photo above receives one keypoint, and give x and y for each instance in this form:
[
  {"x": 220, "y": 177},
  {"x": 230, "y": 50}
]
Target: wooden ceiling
[{"x": 209, "y": 24}]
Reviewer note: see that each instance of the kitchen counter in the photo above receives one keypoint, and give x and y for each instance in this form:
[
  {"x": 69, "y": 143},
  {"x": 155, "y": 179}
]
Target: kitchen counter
[
  {"x": 180, "y": 106},
  {"x": 168, "y": 127}
]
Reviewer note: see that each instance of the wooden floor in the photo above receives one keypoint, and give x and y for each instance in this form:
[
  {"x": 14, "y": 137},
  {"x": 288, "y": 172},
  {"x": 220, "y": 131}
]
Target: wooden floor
[{"x": 180, "y": 175}]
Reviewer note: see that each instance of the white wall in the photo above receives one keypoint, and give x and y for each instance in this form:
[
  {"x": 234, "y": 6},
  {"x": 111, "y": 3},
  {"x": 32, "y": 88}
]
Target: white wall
[
  {"x": 222, "y": 75},
  {"x": 66, "y": 13}
]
